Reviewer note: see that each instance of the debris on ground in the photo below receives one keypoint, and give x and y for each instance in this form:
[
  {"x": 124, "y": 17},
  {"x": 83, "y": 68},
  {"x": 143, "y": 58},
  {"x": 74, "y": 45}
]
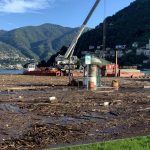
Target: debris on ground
[{"x": 51, "y": 116}]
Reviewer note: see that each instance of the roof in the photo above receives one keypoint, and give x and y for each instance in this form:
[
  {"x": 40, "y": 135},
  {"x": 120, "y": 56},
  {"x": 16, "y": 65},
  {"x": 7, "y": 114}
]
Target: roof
[{"x": 96, "y": 61}]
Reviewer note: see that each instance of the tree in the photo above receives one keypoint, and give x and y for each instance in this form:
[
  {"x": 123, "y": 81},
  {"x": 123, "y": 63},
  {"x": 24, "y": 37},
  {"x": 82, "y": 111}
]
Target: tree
[{"x": 42, "y": 64}]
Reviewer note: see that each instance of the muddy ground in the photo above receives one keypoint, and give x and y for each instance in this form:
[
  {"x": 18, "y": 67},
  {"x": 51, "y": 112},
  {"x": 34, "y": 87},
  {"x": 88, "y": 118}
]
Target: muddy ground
[{"x": 43, "y": 112}]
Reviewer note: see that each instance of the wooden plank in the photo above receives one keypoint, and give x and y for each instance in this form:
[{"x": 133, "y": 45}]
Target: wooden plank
[
  {"x": 146, "y": 87},
  {"x": 27, "y": 88}
]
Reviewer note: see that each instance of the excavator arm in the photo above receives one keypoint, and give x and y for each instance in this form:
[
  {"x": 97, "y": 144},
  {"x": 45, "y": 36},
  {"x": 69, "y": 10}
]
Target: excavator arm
[
  {"x": 75, "y": 40},
  {"x": 66, "y": 59}
]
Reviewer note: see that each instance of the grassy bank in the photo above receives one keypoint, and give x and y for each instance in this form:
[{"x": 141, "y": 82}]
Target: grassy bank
[{"x": 140, "y": 143}]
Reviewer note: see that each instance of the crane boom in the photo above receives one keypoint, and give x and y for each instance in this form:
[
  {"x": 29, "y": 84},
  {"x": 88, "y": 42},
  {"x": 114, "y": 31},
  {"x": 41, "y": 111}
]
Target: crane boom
[{"x": 70, "y": 50}]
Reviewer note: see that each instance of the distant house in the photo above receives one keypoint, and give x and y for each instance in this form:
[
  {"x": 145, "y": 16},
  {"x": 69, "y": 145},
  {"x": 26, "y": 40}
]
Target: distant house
[
  {"x": 135, "y": 45},
  {"x": 145, "y": 61},
  {"x": 84, "y": 52},
  {"x": 112, "y": 53},
  {"x": 128, "y": 51},
  {"x": 139, "y": 51},
  {"x": 145, "y": 51},
  {"x": 102, "y": 54},
  {"x": 91, "y": 47},
  {"x": 120, "y": 53},
  {"x": 99, "y": 52},
  {"x": 148, "y": 45},
  {"x": 99, "y": 47},
  {"x": 120, "y": 47}
]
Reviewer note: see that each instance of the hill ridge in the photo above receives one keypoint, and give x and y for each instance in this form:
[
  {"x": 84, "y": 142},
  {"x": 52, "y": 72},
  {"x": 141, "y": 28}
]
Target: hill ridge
[{"x": 42, "y": 37}]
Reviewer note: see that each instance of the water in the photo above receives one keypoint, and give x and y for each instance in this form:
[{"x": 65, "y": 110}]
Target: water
[
  {"x": 147, "y": 72},
  {"x": 11, "y": 71}
]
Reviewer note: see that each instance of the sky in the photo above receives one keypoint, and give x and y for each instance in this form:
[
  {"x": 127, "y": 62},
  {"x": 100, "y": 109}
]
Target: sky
[{"x": 68, "y": 13}]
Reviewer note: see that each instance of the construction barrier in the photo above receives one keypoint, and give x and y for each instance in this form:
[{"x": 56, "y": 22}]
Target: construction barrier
[
  {"x": 93, "y": 79},
  {"x": 92, "y": 84}
]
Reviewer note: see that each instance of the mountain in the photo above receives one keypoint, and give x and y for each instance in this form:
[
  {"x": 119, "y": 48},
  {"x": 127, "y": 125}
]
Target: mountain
[
  {"x": 36, "y": 42},
  {"x": 2, "y": 32},
  {"x": 131, "y": 24}
]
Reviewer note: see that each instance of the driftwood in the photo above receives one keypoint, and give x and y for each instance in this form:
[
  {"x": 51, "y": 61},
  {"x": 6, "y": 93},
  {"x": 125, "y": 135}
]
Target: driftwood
[{"x": 27, "y": 88}]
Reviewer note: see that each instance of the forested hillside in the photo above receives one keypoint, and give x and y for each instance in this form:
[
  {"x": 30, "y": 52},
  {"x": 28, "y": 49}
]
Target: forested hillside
[
  {"x": 38, "y": 42},
  {"x": 125, "y": 27}
]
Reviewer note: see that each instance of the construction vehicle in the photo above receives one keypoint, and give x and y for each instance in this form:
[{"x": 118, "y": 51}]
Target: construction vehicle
[{"x": 68, "y": 60}]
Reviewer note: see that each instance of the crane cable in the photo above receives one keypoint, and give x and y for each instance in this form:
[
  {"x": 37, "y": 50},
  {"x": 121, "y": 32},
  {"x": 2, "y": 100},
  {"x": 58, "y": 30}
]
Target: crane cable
[{"x": 104, "y": 27}]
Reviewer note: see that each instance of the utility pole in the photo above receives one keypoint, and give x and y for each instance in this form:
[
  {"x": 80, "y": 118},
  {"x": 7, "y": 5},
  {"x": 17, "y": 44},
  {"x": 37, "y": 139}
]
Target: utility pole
[
  {"x": 104, "y": 27},
  {"x": 69, "y": 70},
  {"x": 116, "y": 61}
]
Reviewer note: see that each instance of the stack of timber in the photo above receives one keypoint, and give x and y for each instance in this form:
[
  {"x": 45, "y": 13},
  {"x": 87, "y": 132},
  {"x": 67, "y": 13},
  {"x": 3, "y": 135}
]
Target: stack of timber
[{"x": 130, "y": 73}]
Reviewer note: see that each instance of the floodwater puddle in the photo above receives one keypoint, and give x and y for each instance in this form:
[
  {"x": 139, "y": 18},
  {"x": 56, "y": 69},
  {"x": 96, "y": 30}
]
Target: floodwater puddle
[
  {"x": 11, "y": 108},
  {"x": 6, "y": 92},
  {"x": 115, "y": 129},
  {"x": 64, "y": 120}
]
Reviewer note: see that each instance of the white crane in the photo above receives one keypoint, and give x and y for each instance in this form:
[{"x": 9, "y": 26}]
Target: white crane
[{"x": 68, "y": 58}]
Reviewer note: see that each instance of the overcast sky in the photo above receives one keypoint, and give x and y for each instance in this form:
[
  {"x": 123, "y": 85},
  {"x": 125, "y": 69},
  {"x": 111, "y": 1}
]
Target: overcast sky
[{"x": 71, "y": 13}]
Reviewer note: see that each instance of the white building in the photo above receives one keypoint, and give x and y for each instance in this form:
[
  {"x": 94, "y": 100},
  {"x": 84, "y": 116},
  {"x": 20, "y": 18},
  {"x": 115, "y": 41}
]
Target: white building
[
  {"x": 148, "y": 45},
  {"x": 84, "y": 52},
  {"x": 144, "y": 51},
  {"x": 145, "y": 61},
  {"x": 91, "y": 47},
  {"x": 112, "y": 53},
  {"x": 120, "y": 53},
  {"x": 135, "y": 45},
  {"x": 139, "y": 51},
  {"x": 119, "y": 47},
  {"x": 128, "y": 51},
  {"x": 147, "y": 52},
  {"x": 102, "y": 54}
]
